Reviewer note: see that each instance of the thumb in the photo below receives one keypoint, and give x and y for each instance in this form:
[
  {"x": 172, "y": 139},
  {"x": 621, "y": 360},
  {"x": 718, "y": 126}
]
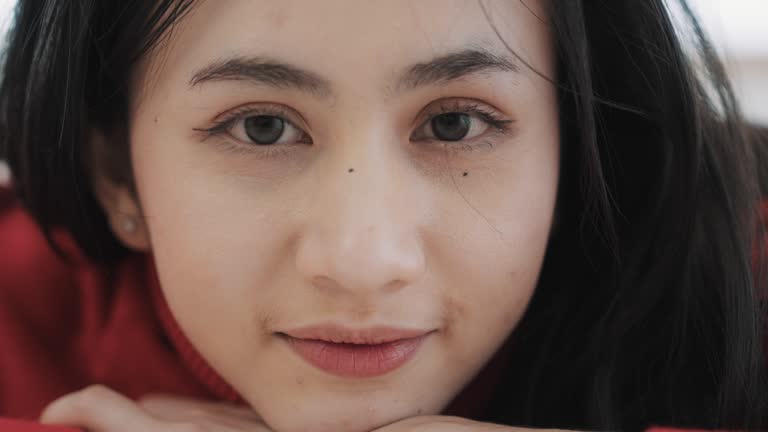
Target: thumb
[{"x": 98, "y": 409}]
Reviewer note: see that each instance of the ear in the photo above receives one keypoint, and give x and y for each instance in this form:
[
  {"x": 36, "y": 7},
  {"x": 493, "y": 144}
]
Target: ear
[{"x": 117, "y": 199}]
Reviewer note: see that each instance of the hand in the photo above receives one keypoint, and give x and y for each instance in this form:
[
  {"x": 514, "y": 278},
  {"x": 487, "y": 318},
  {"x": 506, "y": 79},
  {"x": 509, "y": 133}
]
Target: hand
[
  {"x": 451, "y": 424},
  {"x": 99, "y": 409}
]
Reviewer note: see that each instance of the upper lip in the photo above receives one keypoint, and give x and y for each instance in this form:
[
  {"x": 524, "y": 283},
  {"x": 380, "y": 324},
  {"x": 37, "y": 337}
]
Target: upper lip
[{"x": 366, "y": 335}]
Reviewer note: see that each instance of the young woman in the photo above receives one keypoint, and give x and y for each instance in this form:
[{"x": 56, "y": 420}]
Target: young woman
[{"x": 346, "y": 216}]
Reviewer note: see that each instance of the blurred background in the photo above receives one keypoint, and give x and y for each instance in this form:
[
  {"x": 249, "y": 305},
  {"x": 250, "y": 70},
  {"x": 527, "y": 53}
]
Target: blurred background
[{"x": 738, "y": 29}]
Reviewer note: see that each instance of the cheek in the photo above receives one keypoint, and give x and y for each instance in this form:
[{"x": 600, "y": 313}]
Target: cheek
[
  {"x": 489, "y": 292},
  {"x": 492, "y": 267},
  {"x": 215, "y": 247}
]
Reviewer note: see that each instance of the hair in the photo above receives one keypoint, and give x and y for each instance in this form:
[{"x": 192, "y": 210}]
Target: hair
[
  {"x": 760, "y": 138},
  {"x": 649, "y": 308}
]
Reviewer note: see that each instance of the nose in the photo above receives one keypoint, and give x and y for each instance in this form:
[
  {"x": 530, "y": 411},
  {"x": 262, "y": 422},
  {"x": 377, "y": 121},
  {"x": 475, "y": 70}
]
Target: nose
[{"x": 362, "y": 236}]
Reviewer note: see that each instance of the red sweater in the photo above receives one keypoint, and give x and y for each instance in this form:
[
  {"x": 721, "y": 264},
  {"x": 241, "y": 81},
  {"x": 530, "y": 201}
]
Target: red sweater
[{"x": 64, "y": 327}]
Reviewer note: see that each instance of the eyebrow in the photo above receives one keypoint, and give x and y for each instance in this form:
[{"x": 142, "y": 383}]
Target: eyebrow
[
  {"x": 262, "y": 71},
  {"x": 269, "y": 72},
  {"x": 453, "y": 67}
]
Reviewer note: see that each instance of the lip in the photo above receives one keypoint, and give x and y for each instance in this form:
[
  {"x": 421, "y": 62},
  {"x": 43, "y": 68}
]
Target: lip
[
  {"x": 368, "y": 335},
  {"x": 355, "y": 353}
]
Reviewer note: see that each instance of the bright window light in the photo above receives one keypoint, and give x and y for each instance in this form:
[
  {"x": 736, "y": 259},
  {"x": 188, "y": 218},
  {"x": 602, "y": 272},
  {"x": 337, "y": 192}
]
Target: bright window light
[{"x": 738, "y": 27}]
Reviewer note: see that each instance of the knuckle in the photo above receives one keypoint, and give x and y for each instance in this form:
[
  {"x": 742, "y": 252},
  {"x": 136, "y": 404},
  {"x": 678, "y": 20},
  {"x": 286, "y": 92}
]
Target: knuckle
[
  {"x": 90, "y": 396},
  {"x": 197, "y": 413},
  {"x": 188, "y": 427}
]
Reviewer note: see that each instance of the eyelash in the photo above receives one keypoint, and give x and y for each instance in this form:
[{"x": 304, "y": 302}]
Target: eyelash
[
  {"x": 222, "y": 127},
  {"x": 491, "y": 117}
]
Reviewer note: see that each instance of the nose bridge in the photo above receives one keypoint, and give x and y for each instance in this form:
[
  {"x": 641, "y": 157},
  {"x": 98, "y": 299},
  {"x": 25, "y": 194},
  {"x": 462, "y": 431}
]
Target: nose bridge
[{"x": 363, "y": 232}]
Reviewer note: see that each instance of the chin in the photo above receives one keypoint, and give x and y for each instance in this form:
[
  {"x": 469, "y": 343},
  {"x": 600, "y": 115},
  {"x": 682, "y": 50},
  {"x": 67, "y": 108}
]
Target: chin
[
  {"x": 326, "y": 415},
  {"x": 357, "y": 422},
  {"x": 351, "y": 424}
]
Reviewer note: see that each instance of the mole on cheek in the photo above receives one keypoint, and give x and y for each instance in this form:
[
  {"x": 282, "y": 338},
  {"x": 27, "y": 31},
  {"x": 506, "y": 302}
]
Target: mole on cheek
[
  {"x": 351, "y": 170},
  {"x": 465, "y": 174}
]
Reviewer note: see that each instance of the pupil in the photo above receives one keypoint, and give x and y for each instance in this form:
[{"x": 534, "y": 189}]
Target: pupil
[
  {"x": 264, "y": 129},
  {"x": 450, "y": 126}
]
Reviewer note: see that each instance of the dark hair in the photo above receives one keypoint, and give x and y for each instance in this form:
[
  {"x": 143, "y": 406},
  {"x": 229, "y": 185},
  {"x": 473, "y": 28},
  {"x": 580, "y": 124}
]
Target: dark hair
[
  {"x": 760, "y": 139},
  {"x": 649, "y": 305},
  {"x": 68, "y": 69}
]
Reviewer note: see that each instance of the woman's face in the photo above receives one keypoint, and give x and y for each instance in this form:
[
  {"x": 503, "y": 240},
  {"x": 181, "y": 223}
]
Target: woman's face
[{"x": 313, "y": 173}]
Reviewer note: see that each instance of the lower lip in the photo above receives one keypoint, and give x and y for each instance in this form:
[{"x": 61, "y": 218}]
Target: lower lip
[{"x": 356, "y": 361}]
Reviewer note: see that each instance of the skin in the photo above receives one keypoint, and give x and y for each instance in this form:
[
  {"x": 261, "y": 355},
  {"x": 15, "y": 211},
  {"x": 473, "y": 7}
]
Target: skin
[
  {"x": 363, "y": 226},
  {"x": 99, "y": 409}
]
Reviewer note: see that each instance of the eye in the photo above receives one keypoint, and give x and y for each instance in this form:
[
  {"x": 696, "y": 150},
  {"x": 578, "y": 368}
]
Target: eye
[
  {"x": 455, "y": 126},
  {"x": 458, "y": 121},
  {"x": 265, "y": 130},
  {"x": 261, "y": 126}
]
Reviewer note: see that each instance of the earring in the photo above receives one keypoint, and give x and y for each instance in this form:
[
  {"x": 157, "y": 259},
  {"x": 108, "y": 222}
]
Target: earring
[{"x": 129, "y": 224}]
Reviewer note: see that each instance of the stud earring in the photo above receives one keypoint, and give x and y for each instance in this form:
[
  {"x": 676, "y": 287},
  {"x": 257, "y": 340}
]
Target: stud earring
[{"x": 129, "y": 224}]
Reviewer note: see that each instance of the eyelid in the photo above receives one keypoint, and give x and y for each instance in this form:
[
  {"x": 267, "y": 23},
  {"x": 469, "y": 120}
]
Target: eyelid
[
  {"x": 229, "y": 117},
  {"x": 453, "y": 104},
  {"x": 495, "y": 118}
]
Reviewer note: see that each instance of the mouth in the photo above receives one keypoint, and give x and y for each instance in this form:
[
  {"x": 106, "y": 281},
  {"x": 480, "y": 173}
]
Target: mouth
[{"x": 355, "y": 353}]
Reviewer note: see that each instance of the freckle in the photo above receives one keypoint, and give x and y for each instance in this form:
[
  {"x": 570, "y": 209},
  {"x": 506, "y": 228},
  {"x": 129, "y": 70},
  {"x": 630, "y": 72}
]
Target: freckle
[
  {"x": 155, "y": 119},
  {"x": 465, "y": 174},
  {"x": 419, "y": 411},
  {"x": 299, "y": 380},
  {"x": 351, "y": 170}
]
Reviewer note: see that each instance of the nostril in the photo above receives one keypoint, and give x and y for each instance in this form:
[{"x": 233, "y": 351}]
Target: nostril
[
  {"x": 394, "y": 285},
  {"x": 323, "y": 282}
]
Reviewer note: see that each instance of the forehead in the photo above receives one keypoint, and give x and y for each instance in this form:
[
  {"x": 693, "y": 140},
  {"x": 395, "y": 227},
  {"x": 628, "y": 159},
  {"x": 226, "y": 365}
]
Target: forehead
[{"x": 347, "y": 40}]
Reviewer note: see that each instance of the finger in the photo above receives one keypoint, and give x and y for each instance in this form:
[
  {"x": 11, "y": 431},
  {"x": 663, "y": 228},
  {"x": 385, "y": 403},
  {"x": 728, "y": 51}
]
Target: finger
[
  {"x": 97, "y": 408},
  {"x": 174, "y": 408},
  {"x": 438, "y": 423}
]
